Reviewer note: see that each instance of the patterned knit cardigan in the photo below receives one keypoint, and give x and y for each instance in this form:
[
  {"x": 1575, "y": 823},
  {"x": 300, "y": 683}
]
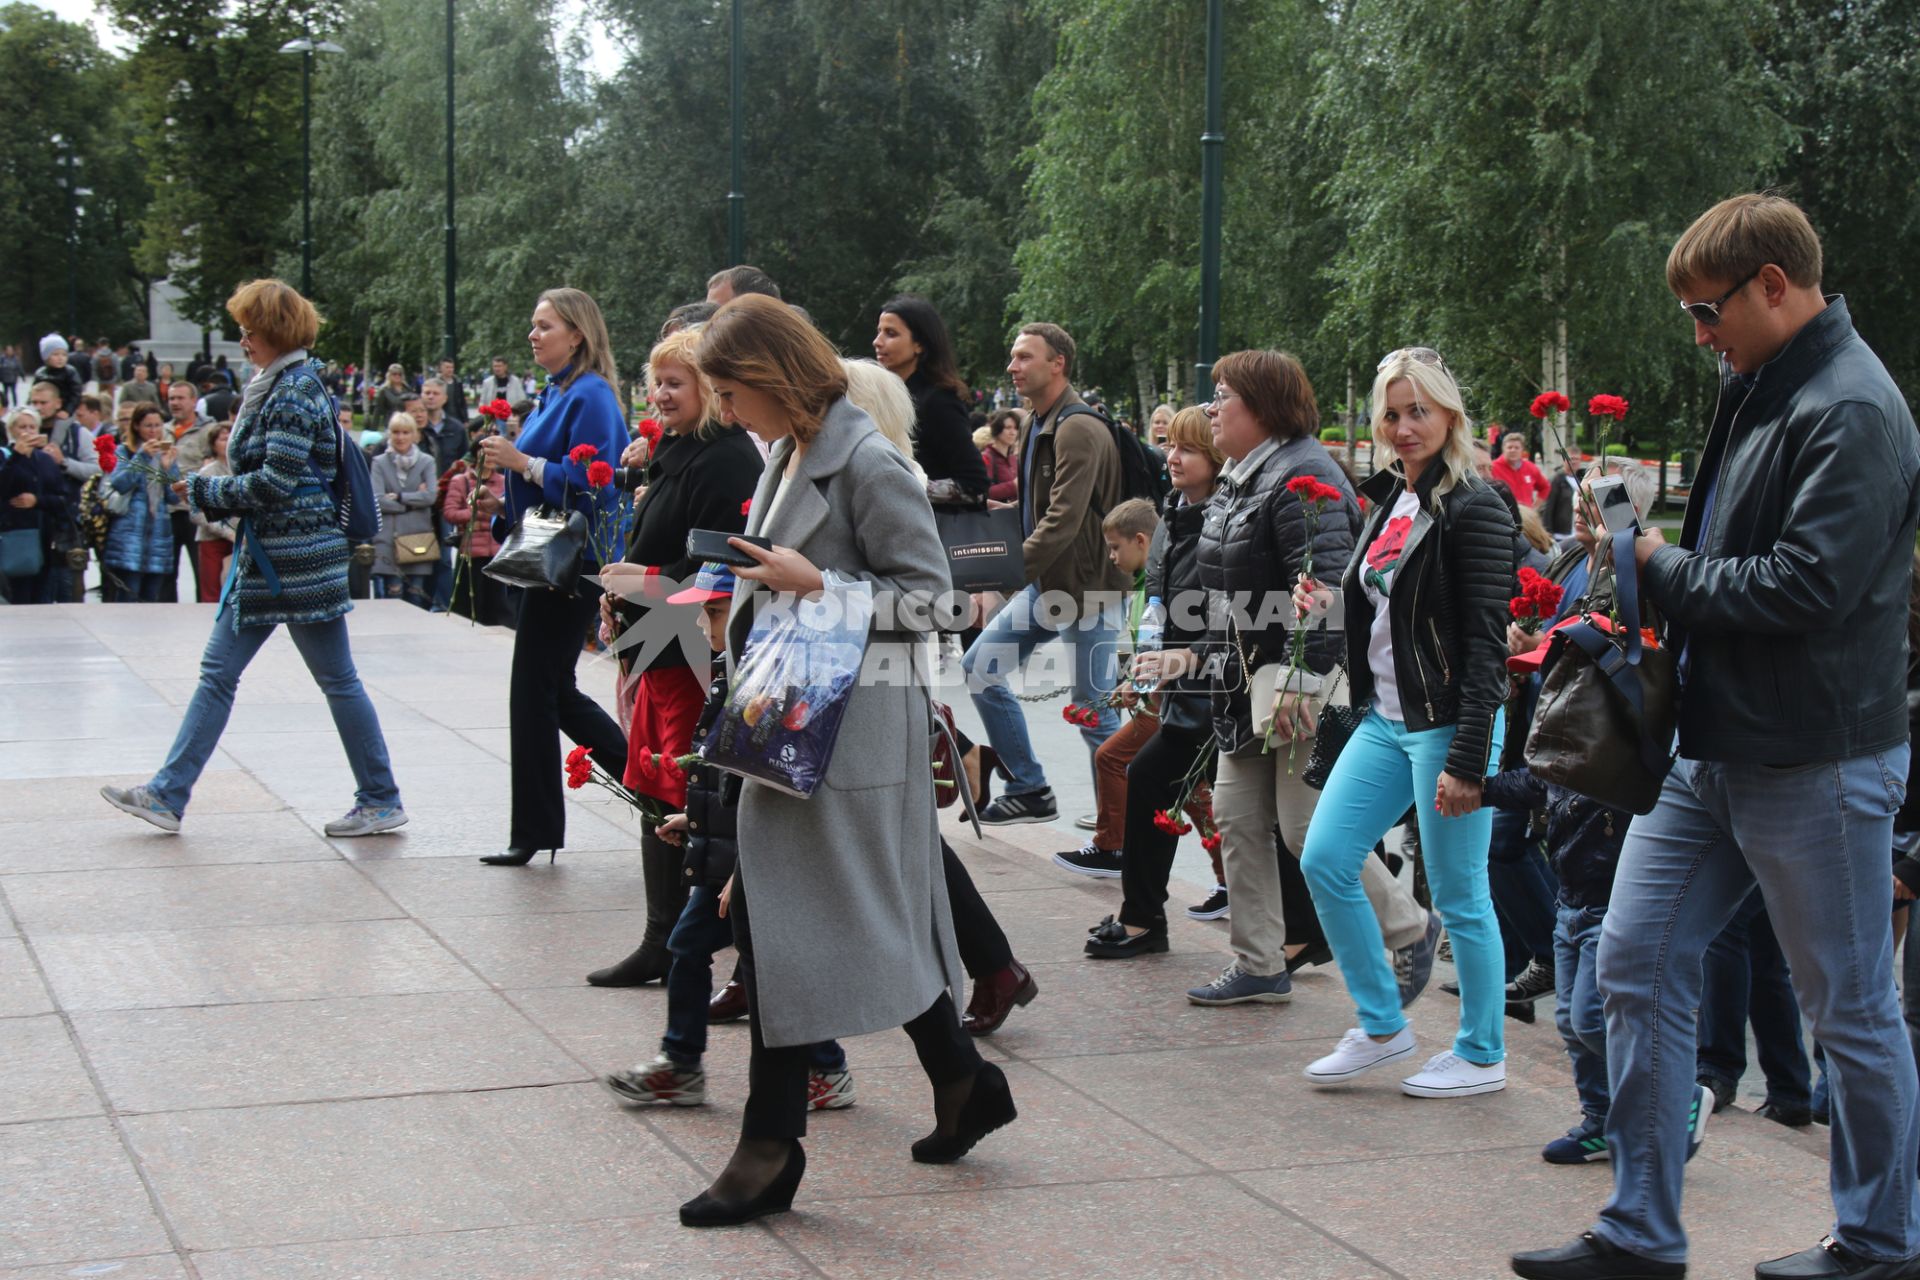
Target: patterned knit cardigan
[{"x": 290, "y": 515}]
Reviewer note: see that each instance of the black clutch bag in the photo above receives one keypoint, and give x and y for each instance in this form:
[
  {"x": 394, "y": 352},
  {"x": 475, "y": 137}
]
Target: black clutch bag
[
  {"x": 544, "y": 550},
  {"x": 1337, "y": 723}
]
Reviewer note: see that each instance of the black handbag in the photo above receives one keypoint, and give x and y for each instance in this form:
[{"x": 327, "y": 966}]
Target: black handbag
[
  {"x": 985, "y": 547},
  {"x": 545, "y": 549},
  {"x": 1337, "y": 723},
  {"x": 1605, "y": 722}
]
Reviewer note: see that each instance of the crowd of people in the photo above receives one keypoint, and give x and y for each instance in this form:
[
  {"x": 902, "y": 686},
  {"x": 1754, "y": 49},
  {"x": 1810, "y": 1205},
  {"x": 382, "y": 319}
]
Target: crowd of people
[{"x": 1288, "y": 661}]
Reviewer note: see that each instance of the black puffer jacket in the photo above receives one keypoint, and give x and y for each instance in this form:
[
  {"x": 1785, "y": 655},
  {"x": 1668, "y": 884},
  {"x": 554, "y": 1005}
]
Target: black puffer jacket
[
  {"x": 1251, "y": 543},
  {"x": 713, "y": 806},
  {"x": 1173, "y": 574},
  {"x": 1449, "y": 610},
  {"x": 1584, "y": 837}
]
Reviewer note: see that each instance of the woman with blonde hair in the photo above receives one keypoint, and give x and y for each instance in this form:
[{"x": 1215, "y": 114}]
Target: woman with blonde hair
[
  {"x": 1424, "y": 606},
  {"x": 579, "y": 406},
  {"x": 840, "y": 910},
  {"x": 405, "y": 482},
  {"x": 699, "y": 475}
]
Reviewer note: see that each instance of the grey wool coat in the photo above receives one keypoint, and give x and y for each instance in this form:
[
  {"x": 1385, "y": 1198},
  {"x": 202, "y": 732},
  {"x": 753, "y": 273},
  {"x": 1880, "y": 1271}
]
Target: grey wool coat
[{"x": 852, "y": 931}]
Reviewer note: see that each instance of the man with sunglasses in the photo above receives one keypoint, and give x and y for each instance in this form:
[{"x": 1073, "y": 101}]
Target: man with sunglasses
[{"x": 1787, "y": 601}]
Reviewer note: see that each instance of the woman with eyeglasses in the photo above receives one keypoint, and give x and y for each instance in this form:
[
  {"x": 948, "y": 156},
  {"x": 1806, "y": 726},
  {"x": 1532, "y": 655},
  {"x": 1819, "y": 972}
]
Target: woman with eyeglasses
[
  {"x": 1267, "y": 423},
  {"x": 1423, "y": 604}
]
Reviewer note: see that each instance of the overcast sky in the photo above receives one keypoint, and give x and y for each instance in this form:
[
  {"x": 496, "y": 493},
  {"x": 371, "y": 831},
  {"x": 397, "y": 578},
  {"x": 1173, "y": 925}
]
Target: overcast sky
[{"x": 572, "y": 13}]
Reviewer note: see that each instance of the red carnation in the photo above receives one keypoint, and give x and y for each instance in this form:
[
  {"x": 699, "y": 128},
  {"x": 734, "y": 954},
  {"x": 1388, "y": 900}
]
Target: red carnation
[
  {"x": 599, "y": 474},
  {"x": 1604, "y": 406},
  {"x": 1168, "y": 823},
  {"x": 745, "y": 506},
  {"x": 1211, "y": 843},
  {"x": 579, "y": 767},
  {"x": 1549, "y": 402},
  {"x": 1301, "y": 487},
  {"x": 646, "y": 757},
  {"x": 495, "y": 409},
  {"x": 107, "y": 452},
  {"x": 582, "y": 454},
  {"x": 648, "y": 430}
]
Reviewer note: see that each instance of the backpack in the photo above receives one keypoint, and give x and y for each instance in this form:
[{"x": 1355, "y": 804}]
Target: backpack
[
  {"x": 356, "y": 510},
  {"x": 1140, "y": 473}
]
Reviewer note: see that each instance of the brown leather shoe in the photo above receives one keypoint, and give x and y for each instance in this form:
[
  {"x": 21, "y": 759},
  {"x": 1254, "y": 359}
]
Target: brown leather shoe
[
  {"x": 729, "y": 1003},
  {"x": 995, "y": 996}
]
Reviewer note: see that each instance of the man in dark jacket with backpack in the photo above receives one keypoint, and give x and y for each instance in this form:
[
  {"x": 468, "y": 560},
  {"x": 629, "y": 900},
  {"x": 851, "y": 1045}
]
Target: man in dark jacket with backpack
[{"x": 1071, "y": 475}]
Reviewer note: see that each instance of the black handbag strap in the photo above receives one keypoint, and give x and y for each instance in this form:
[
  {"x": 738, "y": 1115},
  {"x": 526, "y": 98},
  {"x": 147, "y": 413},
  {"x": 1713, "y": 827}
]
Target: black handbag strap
[{"x": 1626, "y": 589}]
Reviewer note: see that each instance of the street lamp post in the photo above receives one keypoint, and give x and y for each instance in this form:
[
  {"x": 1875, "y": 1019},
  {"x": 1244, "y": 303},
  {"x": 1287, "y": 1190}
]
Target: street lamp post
[
  {"x": 736, "y": 195},
  {"x": 1212, "y": 143},
  {"x": 306, "y": 47},
  {"x": 446, "y": 345},
  {"x": 69, "y": 184}
]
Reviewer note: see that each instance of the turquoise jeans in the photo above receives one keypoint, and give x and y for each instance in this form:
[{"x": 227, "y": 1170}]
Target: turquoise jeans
[{"x": 1384, "y": 770}]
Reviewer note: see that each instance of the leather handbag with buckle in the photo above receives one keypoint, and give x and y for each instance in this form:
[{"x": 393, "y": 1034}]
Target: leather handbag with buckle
[{"x": 415, "y": 548}]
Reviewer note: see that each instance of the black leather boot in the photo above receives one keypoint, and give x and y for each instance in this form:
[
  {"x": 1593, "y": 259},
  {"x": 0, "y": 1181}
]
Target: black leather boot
[{"x": 666, "y": 898}]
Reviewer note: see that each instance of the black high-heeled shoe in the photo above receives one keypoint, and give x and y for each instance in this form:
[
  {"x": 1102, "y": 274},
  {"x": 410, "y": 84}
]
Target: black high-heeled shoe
[
  {"x": 708, "y": 1210},
  {"x": 514, "y": 857},
  {"x": 989, "y": 765},
  {"x": 988, "y": 1107}
]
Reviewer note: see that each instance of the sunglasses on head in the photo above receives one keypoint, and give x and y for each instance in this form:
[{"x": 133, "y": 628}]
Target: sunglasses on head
[
  {"x": 1425, "y": 355},
  {"x": 1708, "y": 313}
]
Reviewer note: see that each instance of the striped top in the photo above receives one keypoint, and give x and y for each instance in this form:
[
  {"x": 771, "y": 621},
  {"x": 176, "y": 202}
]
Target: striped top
[{"x": 291, "y": 517}]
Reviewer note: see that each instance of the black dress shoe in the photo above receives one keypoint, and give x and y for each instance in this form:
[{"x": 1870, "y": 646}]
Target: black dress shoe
[
  {"x": 988, "y": 1107},
  {"x": 1111, "y": 941},
  {"x": 1792, "y": 1117},
  {"x": 1591, "y": 1258},
  {"x": 1831, "y": 1260},
  {"x": 516, "y": 857},
  {"x": 643, "y": 966},
  {"x": 1316, "y": 953},
  {"x": 707, "y": 1210}
]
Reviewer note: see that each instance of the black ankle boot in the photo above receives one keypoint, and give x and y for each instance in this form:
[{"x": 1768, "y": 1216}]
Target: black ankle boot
[
  {"x": 709, "y": 1210},
  {"x": 989, "y": 1106},
  {"x": 666, "y": 898},
  {"x": 648, "y": 963}
]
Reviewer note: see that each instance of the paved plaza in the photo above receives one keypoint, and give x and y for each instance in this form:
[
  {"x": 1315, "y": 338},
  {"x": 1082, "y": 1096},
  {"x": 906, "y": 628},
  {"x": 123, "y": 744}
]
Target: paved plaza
[{"x": 249, "y": 1053}]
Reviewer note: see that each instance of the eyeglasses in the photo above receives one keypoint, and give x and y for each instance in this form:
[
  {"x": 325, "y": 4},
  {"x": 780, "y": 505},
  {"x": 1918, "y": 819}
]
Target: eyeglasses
[
  {"x": 1425, "y": 355},
  {"x": 1221, "y": 394},
  {"x": 1708, "y": 313}
]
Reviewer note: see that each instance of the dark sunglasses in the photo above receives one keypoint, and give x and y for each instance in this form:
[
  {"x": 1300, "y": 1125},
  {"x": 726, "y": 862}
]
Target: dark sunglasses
[{"x": 1708, "y": 313}]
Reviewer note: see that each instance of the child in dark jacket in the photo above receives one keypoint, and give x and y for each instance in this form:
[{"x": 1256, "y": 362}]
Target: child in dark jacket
[
  {"x": 707, "y": 831},
  {"x": 1583, "y": 838}
]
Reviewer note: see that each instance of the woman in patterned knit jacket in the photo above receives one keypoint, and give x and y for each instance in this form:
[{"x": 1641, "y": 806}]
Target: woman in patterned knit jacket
[{"x": 291, "y": 566}]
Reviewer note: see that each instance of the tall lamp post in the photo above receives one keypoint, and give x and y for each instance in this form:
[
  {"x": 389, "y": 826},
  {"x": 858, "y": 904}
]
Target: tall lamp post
[
  {"x": 736, "y": 195},
  {"x": 446, "y": 345},
  {"x": 1212, "y": 143},
  {"x": 70, "y": 183},
  {"x": 306, "y": 47}
]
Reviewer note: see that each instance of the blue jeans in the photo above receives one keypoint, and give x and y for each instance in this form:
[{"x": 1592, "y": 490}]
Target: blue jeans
[
  {"x": 134, "y": 588},
  {"x": 697, "y": 937},
  {"x": 1577, "y": 1012},
  {"x": 399, "y": 586},
  {"x": 1744, "y": 977},
  {"x": 323, "y": 646},
  {"x": 1005, "y": 644},
  {"x": 1384, "y": 769},
  {"x": 1815, "y": 839}
]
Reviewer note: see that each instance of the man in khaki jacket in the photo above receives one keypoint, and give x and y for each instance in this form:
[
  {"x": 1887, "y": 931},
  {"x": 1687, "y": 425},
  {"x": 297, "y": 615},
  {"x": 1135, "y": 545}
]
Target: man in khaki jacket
[{"x": 1069, "y": 479}]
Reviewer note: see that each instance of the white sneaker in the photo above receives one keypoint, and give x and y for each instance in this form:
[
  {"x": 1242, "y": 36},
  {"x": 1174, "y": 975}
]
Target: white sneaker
[
  {"x": 363, "y": 821},
  {"x": 1448, "y": 1075},
  {"x": 1358, "y": 1053}
]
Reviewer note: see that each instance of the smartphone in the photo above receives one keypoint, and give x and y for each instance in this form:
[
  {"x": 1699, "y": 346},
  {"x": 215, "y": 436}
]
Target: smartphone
[
  {"x": 711, "y": 544},
  {"x": 1616, "y": 508}
]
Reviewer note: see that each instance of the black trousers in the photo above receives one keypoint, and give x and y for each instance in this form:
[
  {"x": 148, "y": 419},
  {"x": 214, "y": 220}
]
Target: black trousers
[
  {"x": 777, "y": 1078},
  {"x": 183, "y": 540},
  {"x": 1154, "y": 782},
  {"x": 984, "y": 948},
  {"x": 543, "y": 703}
]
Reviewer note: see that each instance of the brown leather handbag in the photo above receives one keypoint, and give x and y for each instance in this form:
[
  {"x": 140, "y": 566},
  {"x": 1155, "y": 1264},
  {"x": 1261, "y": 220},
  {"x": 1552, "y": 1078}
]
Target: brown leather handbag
[{"x": 1605, "y": 721}]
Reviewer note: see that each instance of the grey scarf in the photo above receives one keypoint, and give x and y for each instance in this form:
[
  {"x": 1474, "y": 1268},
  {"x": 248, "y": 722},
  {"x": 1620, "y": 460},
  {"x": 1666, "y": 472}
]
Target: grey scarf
[{"x": 257, "y": 388}]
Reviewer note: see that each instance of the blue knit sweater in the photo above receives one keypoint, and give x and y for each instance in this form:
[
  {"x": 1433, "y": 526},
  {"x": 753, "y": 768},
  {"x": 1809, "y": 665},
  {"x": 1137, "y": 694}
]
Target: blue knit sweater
[{"x": 274, "y": 455}]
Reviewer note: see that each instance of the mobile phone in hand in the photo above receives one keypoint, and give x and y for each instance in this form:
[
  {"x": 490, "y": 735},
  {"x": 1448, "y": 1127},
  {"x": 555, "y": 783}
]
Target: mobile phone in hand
[{"x": 712, "y": 545}]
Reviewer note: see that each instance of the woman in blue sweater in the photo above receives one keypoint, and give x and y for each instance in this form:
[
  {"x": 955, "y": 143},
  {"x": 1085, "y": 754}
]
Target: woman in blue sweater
[{"x": 577, "y": 407}]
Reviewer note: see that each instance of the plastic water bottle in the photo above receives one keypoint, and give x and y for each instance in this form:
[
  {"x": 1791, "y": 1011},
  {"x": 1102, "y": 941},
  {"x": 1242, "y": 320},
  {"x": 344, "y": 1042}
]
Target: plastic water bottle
[{"x": 1153, "y": 626}]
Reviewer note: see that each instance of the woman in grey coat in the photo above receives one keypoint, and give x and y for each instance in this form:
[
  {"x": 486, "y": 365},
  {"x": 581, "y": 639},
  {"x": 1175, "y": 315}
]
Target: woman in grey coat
[
  {"x": 406, "y": 481},
  {"x": 840, "y": 909}
]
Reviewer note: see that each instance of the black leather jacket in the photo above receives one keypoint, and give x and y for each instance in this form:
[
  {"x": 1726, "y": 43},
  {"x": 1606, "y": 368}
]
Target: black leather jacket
[
  {"x": 1449, "y": 612},
  {"x": 1251, "y": 543},
  {"x": 713, "y": 806},
  {"x": 1791, "y": 601},
  {"x": 1173, "y": 574}
]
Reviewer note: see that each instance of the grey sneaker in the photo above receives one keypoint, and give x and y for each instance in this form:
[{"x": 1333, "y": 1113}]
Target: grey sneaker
[
  {"x": 1413, "y": 965},
  {"x": 1236, "y": 986},
  {"x": 139, "y": 802},
  {"x": 661, "y": 1080},
  {"x": 363, "y": 821}
]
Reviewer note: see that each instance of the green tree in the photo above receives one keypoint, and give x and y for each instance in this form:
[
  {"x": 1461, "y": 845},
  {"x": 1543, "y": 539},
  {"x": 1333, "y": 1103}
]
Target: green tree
[
  {"x": 216, "y": 118},
  {"x": 56, "y": 80},
  {"x": 1510, "y": 167}
]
